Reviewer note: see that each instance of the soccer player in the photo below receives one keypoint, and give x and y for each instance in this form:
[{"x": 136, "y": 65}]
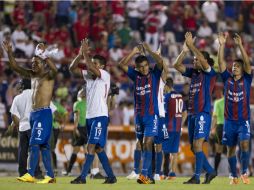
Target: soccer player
[
  {"x": 146, "y": 83},
  {"x": 41, "y": 115},
  {"x": 237, "y": 107},
  {"x": 175, "y": 116},
  {"x": 217, "y": 124},
  {"x": 203, "y": 78},
  {"x": 97, "y": 88}
]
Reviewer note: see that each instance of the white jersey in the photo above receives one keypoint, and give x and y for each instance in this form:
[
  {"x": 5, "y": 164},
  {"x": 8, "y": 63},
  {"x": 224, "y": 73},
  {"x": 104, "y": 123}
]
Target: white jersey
[
  {"x": 22, "y": 107},
  {"x": 161, "y": 98},
  {"x": 97, "y": 94}
]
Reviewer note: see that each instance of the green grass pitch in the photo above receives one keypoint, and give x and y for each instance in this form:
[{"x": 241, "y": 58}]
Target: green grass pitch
[{"x": 63, "y": 183}]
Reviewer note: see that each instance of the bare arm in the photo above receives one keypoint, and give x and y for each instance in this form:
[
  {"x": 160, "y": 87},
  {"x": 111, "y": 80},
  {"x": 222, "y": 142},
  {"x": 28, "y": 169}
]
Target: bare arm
[
  {"x": 178, "y": 64},
  {"x": 246, "y": 60},
  {"x": 73, "y": 68},
  {"x": 155, "y": 56},
  {"x": 221, "y": 61},
  {"x": 90, "y": 65},
  {"x": 53, "y": 70},
  {"x": 12, "y": 62},
  {"x": 190, "y": 43},
  {"x": 125, "y": 61}
]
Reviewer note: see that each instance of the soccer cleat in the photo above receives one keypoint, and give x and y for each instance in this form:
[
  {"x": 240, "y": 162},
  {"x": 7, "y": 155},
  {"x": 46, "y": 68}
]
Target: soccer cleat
[
  {"x": 209, "y": 177},
  {"x": 192, "y": 180},
  {"x": 78, "y": 180},
  {"x": 145, "y": 180},
  {"x": 245, "y": 179},
  {"x": 26, "y": 178},
  {"x": 97, "y": 176},
  {"x": 47, "y": 180},
  {"x": 234, "y": 181},
  {"x": 110, "y": 180},
  {"x": 132, "y": 175}
]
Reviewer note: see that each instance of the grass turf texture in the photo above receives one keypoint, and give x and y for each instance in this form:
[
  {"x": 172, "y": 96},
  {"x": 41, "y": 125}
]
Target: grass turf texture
[{"x": 219, "y": 183}]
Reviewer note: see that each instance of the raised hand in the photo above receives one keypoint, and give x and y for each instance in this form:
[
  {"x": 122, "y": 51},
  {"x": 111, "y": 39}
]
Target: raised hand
[
  {"x": 84, "y": 49},
  {"x": 137, "y": 49},
  {"x": 188, "y": 39},
  {"x": 222, "y": 38},
  {"x": 237, "y": 39},
  {"x": 7, "y": 46}
]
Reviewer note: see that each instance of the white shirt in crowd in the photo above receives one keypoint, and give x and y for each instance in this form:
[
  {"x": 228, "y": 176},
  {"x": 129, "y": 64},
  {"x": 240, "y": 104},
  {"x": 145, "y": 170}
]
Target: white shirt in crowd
[
  {"x": 161, "y": 98},
  {"x": 210, "y": 10},
  {"x": 22, "y": 107},
  {"x": 127, "y": 115},
  {"x": 96, "y": 94}
]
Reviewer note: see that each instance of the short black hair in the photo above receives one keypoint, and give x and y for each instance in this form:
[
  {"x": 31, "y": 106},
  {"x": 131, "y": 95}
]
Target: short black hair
[
  {"x": 101, "y": 59},
  {"x": 140, "y": 59},
  {"x": 169, "y": 82},
  {"x": 238, "y": 60},
  {"x": 25, "y": 83},
  {"x": 208, "y": 58}
]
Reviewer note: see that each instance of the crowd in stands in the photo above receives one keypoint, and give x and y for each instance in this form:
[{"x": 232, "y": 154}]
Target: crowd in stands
[{"x": 114, "y": 28}]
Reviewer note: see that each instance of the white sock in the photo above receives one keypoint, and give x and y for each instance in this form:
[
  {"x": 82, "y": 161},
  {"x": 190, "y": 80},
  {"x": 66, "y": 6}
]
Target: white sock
[{"x": 94, "y": 171}]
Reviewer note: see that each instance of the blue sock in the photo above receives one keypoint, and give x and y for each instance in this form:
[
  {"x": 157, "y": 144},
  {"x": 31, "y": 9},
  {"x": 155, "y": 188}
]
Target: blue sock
[
  {"x": 172, "y": 174},
  {"x": 33, "y": 158},
  {"x": 150, "y": 172},
  {"x": 137, "y": 159},
  {"x": 105, "y": 164},
  {"x": 232, "y": 164},
  {"x": 207, "y": 167},
  {"x": 87, "y": 165},
  {"x": 199, "y": 164},
  {"x": 245, "y": 161},
  {"x": 158, "y": 162},
  {"x": 46, "y": 159},
  {"x": 147, "y": 160}
]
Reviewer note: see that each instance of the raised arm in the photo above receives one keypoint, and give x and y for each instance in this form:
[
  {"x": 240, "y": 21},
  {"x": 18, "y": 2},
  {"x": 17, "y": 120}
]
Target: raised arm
[
  {"x": 178, "y": 64},
  {"x": 246, "y": 60},
  {"x": 12, "y": 62},
  {"x": 53, "y": 70},
  {"x": 158, "y": 59},
  {"x": 190, "y": 43},
  {"x": 222, "y": 64},
  {"x": 73, "y": 68},
  {"x": 90, "y": 65},
  {"x": 125, "y": 61}
]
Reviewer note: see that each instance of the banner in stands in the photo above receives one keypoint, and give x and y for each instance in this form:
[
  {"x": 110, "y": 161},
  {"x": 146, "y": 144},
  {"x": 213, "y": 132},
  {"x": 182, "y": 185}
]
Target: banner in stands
[{"x": 8, "y": 148}]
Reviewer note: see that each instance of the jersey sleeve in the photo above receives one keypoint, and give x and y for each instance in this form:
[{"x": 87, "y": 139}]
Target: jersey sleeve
[
  {"x": 248, "y": 77},
  {"x": 84, "y": 73},
  {"x": 131, "y": 73},
  {"x": 157, "y": 72},
  {"x": 14, "y": 108},
  {"x": 225, "y": 75},
  {"x": 105, "y": 76},
  {"x": 188, "y": 72}
]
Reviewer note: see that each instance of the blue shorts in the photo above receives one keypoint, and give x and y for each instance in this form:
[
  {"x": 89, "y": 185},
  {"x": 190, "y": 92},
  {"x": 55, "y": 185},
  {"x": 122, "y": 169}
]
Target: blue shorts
[
  {"x": 162, "y": 131},
  {"x": 234, "y": 131},
  {"x": 41, "y": 123},
  {"x": 199, "y": 126},
  {"x": 97, "y": 130},
  {"x": 146, "y": 126},
  {"x": 171, "y": 145}
]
